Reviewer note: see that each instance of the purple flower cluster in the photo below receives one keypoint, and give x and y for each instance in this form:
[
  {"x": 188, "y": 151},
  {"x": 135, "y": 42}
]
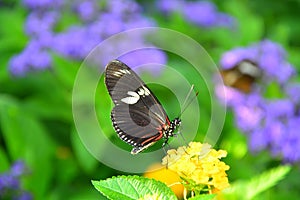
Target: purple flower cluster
[
  {"x": 10, "y": 184},
  {"x": 270, "y": 123},
  {"x": 201, "y": 13},
  {"x": 93, "y": 22},
  {"x": 269, "y": 56}
]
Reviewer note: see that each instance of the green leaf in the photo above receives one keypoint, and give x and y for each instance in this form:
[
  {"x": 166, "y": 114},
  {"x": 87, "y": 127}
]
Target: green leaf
[
  {"x": 27, "y": 139},
  {"x": 65, "y": 70},
  {"x": 246, "y": 21},
  {"x": 258, "y": 184},
  {"x": 273, "y": 91},
  {"x": 132, "y": 188},
  {"x": 266, "y": 180},
  {"x": 3, "y": 160},
  {"x": 84, "y": 157},
  {"x": 203, "y": 197},
  {"x": 10, "y": 120},
  {"x": 12, "y": 33}
]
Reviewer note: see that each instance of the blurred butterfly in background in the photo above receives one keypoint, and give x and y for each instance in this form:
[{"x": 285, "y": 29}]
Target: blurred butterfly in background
[
  {"x": 242, "y": 76},
  {"x": 138, "y": 117}
]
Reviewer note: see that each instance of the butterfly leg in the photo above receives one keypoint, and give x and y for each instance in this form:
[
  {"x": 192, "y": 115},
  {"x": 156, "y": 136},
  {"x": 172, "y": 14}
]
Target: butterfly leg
[{"x": 166, "y": 141}]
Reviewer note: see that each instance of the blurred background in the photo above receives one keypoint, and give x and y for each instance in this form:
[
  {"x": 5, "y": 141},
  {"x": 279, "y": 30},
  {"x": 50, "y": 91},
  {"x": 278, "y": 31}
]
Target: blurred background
[{"x": 255, "y": 45}]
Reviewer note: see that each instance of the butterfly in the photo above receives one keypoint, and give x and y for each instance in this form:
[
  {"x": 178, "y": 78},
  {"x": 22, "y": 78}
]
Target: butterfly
[
  {"x": 138, "y": 117},
  {"x": 242, "y": 76}
]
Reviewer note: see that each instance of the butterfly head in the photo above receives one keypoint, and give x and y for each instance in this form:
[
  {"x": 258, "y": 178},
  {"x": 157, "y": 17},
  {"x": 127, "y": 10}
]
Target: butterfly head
[
  {"x": 176, "y": 122},
  {"x": 173, "y": 126}
]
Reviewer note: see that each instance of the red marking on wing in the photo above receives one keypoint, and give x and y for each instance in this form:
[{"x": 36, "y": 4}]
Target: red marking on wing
[
  {"x": 168, "y": 121},
  {"x": 154, "y": 138}
]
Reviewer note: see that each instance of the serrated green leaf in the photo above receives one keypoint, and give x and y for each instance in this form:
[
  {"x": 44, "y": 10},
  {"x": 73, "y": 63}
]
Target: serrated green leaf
[
  {"x": 203, "y": 197},
  {"x": 132, "y": 188},
  {"x": 266, "y": 180},
  {"x": 249, "y": 189}
]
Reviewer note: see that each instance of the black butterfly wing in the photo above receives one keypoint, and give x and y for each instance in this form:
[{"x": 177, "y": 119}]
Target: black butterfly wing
[{"x": 138, "y": 115}]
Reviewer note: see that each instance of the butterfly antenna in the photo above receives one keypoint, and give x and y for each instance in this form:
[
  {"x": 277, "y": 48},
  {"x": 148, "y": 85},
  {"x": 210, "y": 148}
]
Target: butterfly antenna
[
  {"x": 188, "y": 94},
  {"x": 185, "y": 103}
]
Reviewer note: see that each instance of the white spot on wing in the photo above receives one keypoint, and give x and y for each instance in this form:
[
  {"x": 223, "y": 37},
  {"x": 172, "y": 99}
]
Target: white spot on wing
[
  {"x": 147, "y": 92},
  {"x": 136, "y": 150},
  {"x": 124, "y": 71},
  {"x": 141, "y": 91},
  {"x": 118, "y": 74},
  {"x": 132, "y": 99}
]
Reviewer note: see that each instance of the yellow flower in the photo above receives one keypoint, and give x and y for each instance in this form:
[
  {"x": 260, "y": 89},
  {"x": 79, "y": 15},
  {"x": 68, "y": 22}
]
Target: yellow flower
[
  {"x": 199, "y": 166},
  {"x": 170, "y": 178}
]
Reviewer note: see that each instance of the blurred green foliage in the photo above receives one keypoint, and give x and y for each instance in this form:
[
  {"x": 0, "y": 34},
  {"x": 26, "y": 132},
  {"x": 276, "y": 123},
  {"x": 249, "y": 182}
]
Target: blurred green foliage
[{"x": 36, "y": 122}]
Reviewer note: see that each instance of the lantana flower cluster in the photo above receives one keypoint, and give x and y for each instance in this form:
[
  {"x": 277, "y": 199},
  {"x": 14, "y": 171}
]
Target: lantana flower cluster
[
  {"x": 199, "y": 167},
  {"x": 270, "y": 122}
]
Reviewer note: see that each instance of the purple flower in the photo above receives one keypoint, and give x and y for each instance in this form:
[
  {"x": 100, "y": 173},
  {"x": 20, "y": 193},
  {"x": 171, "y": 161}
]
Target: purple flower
[
  {"x": 169, "y": 6},
  {"x": 87, "y": 10},
  {"x": 276, "y": 130},
  {"x": 233, "y": 57},
  {"x": 10, "y": 187},
  {"x": 249, "y": 112},
  {"x": 293, "y": 92},
  {"x": 112, "y": 24},
  {"x": 290, "y": 145},
  {"x": 228, "y": 95},
  {"x": 269, "y": 56},
  {"x": 258, "y": 140},
  {"x": 38, "y": 23},
  {"x": 41, "y": 4},
  {"x": 270, "y": 124},
  {"x": 225, "y": 20},
  {"x": 17, "y": 169},
  {"x": 141, "y": 57},
  {"x": 75, "y": 47},
  {"x": 24, "y": 196},
  {"x": 8, "y": 181},
  {"x": 98, "y": 22},
  {"x": 123, "y": 8},
  {"x": 18, "y": 65},
  {"x": 280, "y": 108},
  {"x": 202, "y": 13},
  {"x": 32, "y": 57}
]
